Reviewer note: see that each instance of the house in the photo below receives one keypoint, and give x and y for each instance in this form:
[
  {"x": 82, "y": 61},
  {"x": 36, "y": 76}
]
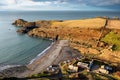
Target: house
[
  {"x": 53, "y": 69},
  {"x": 83, "y": 65},
  {"x": 103, "y": 70},
  {"x": 73, "y": 68}
]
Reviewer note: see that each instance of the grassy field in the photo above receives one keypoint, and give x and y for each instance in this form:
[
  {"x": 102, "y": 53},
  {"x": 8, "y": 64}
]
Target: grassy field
[
  {"x": 112, "y": 38},
  {"x": 113, "y": 24},
  {"x": 84, "y": 23}
]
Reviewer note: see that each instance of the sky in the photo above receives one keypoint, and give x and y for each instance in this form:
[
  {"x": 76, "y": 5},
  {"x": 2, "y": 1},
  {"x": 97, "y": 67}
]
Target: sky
[{"x": 82, "y": 5}]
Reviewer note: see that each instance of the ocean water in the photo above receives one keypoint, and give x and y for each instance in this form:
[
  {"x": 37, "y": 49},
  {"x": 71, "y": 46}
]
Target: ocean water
[{"x": 16, "y": 49}]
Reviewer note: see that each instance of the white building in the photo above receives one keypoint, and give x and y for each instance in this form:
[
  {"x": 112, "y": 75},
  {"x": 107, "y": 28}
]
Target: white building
[{"x": 83, "y": 65}]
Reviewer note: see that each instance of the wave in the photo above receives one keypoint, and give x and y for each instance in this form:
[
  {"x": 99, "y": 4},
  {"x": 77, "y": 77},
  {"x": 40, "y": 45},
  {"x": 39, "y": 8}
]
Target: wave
[
  {"x": 3, "y": 67},
  {"x": 41, "y": 53}
]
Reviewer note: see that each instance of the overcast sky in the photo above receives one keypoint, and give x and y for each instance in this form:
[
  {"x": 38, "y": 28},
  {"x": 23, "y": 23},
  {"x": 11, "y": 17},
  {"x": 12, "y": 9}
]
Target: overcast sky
[{"x": 60, "y": 5}]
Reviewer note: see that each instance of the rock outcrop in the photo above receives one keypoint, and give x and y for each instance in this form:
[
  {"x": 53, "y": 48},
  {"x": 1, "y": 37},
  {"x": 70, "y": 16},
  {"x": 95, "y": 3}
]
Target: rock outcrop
[
  {"x": 19, "y": 22},
  {"x": 28, "y": 26}
]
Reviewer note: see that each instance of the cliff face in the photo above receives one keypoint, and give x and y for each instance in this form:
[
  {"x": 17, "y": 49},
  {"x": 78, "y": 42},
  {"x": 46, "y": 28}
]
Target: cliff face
[{"x": 73, "y": 34}]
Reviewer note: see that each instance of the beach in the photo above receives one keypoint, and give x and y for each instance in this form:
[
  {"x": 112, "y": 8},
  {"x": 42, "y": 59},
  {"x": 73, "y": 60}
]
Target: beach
[
  {"x": 58, "y": 52},
  {"x": 45, "y": 59}
]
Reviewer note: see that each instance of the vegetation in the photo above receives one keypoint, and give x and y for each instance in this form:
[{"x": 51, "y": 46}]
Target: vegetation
[
  {"x": 113, "y": 24},
  {"x": 85, "y": 23},
  {"x": 43, "y": 74},
  {"x": 117, "y": 75},
  {"x": 114, "y": 39},
  {"x": 96, "y": 76}
]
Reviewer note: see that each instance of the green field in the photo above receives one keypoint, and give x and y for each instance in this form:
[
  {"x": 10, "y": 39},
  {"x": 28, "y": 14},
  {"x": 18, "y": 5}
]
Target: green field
[{"x": 114, "y": 39}]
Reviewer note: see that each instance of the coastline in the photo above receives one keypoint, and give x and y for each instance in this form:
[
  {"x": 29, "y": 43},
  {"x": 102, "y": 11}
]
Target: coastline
[
  {"x": 11, "y": 70},
  {"x": 4, "y": 67},
  {"x": 40, "y": 54},
  {"x": 57, "y": 52},
  {"x": 46, "y": 59}
]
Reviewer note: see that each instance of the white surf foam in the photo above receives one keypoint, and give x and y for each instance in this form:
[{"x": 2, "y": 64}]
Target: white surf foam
[
  {"x": 41, "y": 53},
  {"x": 3, "y": 67}
]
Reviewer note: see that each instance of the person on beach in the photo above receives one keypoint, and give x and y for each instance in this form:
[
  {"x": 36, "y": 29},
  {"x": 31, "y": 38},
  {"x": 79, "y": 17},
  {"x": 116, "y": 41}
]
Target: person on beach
[{"x": 56, "y": 37}]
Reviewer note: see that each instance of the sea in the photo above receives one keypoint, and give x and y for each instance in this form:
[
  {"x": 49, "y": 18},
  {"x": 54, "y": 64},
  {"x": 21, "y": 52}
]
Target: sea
[{"x": 17, "y": 49}]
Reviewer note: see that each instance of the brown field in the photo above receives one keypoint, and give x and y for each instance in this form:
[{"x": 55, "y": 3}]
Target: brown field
[
  {"x": 113, "y": 24},
  {"x": 110, "y": 56},
  {"x": 85, "y": 23}
]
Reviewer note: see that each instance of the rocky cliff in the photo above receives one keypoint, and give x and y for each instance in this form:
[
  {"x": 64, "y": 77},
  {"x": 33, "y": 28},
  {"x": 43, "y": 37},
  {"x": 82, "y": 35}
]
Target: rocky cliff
[{"x": 28, "y": 26}]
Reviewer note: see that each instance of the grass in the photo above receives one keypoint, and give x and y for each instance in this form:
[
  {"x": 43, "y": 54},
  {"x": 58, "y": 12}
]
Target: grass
[
  {"x": 64, "y": 69},
  {"x": 40, "y": 75},
  {"x": 98, "y": 77},
  {"x": 114, "y": 39},
  {"x": 85, "y": 23},
  {"x": 113, "y": 24}
]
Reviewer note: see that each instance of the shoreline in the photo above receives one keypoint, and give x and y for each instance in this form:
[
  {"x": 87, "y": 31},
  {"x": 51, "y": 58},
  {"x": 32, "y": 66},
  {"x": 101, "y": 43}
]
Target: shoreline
[
  {"x": 40, "y": 54},
  {"x": 46, "y": 59},
  {"x": 57, "y": 52},
  {"x": 8, "y": 66},
  {"x": 8, "y": 70}
]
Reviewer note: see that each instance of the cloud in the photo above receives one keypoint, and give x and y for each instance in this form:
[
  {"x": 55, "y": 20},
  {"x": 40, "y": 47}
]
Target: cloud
[
  {"x": 7, "y": 2},
  {"x": 32, "y": 3},
  {"x": 28, "y": 4},
  {"x": 100, "y": 2},
  {"x": 23, "y": 2},
  {"x": 58, "y": 4}
]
